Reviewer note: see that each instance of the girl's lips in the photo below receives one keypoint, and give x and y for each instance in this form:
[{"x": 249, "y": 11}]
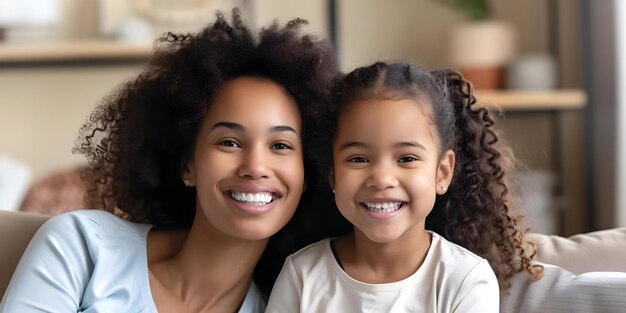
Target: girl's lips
[{"x": 383, "y": 214}]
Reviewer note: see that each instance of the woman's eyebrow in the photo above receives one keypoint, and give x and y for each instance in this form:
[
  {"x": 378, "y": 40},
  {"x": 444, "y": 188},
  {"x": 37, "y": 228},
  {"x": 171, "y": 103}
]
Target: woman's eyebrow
[
  {"x": 229, "y": 125},
  {"x": 240, "y": 128},
  {"x": 283, "y": 128}
]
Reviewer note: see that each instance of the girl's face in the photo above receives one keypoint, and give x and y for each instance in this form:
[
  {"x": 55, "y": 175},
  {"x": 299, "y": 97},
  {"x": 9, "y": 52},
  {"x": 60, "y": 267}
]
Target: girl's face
[
  {"x": 388, "y": 168},
  {"x": 247, "y": 166}
]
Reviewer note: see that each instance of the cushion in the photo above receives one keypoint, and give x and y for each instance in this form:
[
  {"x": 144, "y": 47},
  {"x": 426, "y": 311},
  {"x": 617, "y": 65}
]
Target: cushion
[
  {"x": 16, "y": 231},
  {"x": 562, "y": 291}
]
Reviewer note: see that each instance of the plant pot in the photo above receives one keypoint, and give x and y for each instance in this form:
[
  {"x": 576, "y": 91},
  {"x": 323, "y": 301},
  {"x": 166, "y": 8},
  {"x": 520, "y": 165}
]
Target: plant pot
[
  {"x": 485, "y": 78},
  {"x": 481, "y": 49}
]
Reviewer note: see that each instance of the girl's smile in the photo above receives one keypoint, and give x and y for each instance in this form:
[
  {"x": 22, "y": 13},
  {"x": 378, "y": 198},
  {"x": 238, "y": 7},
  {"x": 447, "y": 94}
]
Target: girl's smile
[
  {"x": 387, "y": 166},
  {"x": 383, "y": 209}
]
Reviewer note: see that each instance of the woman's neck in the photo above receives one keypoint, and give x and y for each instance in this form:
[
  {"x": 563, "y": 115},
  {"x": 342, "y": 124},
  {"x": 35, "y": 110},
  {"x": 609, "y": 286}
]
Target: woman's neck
[
  {"x": 378, "y": 263},
  {"x": 203, "y": 269}
]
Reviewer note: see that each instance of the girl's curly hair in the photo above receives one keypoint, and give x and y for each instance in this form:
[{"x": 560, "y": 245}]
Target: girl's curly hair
[
  {"x": 476, "y": 212},
  {"x": 139, "y": 138}
]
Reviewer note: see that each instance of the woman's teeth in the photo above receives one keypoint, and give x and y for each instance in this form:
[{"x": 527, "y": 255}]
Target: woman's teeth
[
  {"x": 383, "y": 207},
  {"x": 261, "y": 198}
]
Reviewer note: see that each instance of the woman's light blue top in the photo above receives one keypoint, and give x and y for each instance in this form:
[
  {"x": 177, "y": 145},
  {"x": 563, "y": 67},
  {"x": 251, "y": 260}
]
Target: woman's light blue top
[{"x": 89, "y": 261}]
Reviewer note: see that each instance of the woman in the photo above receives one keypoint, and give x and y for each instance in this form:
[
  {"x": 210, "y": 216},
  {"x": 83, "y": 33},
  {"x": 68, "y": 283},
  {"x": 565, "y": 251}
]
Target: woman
[{"x": 204, "y": 154}]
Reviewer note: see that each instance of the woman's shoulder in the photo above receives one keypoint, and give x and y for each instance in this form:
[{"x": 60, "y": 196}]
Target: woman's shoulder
[
  {"x": 94, "y": 219},
  {"x": 93, "y": 225}
]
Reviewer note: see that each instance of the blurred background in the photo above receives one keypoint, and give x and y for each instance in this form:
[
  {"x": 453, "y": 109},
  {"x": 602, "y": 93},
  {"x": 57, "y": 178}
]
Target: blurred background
[{"x": 551, "y": 68}]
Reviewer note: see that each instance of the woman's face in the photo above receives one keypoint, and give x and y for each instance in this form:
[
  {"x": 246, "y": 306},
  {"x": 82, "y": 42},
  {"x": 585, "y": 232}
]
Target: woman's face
[{"x": 247, "y": 166}]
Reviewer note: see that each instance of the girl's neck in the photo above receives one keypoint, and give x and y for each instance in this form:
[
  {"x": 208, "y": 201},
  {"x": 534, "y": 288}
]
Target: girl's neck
[
  {"x": 378, "y": 263},
  {"x": 203, "y": 268}
]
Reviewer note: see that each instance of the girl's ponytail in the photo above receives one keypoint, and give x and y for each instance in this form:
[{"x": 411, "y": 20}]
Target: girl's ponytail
[{"x": 476, "y": 210}]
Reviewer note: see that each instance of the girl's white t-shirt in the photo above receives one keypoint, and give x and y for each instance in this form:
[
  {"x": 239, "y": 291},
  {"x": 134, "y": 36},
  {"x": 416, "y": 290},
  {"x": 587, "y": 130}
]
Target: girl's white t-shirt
[{"x": 451, "y": 279}]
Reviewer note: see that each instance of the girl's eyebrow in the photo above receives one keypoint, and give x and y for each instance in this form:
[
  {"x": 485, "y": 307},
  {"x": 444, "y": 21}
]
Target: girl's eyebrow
[
  {"x": 401, "y": 144},
  {"x": 242, "y": 129},
  {"x": 352, "y": 144},
  {"x": 412, "y": 144}
]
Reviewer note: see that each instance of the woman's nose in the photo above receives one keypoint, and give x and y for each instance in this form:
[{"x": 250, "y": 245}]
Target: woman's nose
[{"x": 255, "y": 164}]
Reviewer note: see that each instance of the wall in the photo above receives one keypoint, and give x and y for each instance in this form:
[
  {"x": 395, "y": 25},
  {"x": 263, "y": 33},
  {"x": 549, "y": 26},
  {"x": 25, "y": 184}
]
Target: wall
[
  {"x": 43, "y": 107},
  {"x": 367, "y": 30},
  {"x": 416, "y": 30},
  {"x": 621, "y": 115},
  {"x": 41, "y": 110}
]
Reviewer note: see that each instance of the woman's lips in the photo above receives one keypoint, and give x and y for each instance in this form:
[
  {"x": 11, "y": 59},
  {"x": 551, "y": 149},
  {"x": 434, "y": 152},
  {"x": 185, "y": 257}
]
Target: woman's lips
[{"x": 253, "y": 203}]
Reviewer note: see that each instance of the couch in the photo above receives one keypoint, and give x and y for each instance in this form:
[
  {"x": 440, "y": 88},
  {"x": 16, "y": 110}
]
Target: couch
[{"x": 583, "y": 273}]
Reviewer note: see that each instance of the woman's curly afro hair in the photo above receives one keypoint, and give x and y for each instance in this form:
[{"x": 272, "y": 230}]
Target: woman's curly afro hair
[{"x": 140, "y": 136}]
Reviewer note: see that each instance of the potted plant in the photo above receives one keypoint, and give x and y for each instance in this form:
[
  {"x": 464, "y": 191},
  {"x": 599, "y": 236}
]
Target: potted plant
[{"x": 481, "y": 46}]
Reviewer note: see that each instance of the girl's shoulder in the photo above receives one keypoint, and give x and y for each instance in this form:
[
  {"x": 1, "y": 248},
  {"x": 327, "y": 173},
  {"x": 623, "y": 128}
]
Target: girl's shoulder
[
  {"x": 458, "y": 263},
  {"x": 314, "y": 249},
  {"x": 313, "y": 255},
  {"x": 449, "y": 250}
]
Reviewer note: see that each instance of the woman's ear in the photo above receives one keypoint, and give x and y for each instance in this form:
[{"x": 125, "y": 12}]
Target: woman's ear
[
  {"x": 331, "y": 179},
  {"x": 187, "y": 175},
  {"x": 445, "y": 171}
]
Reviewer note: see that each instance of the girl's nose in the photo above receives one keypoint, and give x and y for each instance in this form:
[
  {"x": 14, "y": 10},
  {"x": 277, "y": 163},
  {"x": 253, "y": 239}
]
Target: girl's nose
[
  {"x": 381, "y": 178},
  {"x": 255, "y": 164}
]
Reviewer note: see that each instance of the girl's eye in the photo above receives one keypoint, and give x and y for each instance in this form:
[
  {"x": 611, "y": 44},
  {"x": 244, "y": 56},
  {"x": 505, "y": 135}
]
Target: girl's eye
[
  {"x": 357, "y": 159},
  {"x": 407, "y": 159},
  {"x": 281, "y": 146},
  {"x": 229, "y": 143}
]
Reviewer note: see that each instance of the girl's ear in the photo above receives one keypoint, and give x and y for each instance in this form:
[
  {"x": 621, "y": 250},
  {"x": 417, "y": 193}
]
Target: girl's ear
[
  {"x": 445, "y": 170},
  {"x": 331, "y": 178}
]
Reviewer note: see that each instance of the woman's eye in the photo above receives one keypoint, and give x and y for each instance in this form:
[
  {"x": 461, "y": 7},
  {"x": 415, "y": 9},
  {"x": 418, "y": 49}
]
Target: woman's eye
[
  {"x": 357, "y": 159},
  {"x": 229, "y": 143},
  {"x": 281, "y": 146},
  {"x": 407, "y": 159}
]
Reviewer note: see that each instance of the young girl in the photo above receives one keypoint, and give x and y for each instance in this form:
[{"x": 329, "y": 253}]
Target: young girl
[
  {"x": 419, "y": 173},
  {"x": 205, "y": 154}
]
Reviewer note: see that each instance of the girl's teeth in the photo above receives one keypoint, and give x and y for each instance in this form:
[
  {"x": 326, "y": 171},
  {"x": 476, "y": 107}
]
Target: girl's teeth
[
  {"x": 383, "y": 207},
  {"x": 261, "y": 198}
]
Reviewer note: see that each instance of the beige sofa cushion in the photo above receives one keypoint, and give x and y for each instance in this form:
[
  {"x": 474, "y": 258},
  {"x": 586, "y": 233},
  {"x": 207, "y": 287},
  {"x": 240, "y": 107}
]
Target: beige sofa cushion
[
  {"x": 582, "y": 273},
  {"x": 16, "y": 231},
  {"x": 561, "y": 291}
]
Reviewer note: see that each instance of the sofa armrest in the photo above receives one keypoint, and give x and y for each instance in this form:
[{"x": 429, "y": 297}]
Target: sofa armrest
[{"x": 603, "y": 250}]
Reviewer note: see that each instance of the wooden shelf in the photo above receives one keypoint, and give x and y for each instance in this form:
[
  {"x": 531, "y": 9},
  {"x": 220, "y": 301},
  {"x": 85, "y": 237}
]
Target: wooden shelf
[
  {"x": 92, "y": 49},
  {"x": 544, "y": 100}
]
